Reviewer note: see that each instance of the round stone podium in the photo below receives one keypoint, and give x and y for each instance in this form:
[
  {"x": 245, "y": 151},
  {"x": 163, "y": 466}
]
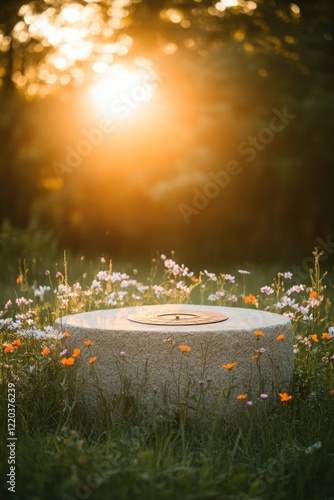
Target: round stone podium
[{"x": 182, "y": 364}]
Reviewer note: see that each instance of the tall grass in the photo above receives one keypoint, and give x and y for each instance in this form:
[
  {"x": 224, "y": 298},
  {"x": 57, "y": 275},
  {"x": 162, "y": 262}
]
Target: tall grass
[{"x": 284, "y": 452}]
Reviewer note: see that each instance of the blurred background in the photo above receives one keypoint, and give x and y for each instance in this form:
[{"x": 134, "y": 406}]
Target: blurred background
[{"x": 116, "y": 115}]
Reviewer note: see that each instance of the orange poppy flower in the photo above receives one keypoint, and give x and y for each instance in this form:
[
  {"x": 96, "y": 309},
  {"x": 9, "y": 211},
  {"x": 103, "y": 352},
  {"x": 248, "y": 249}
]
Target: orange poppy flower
[
  {"x": 45, "y": 351},
  {"x": 229, "y": 366},
  {"x": 326, "y": 336},
  {"x": 242, "y": 396},
  {"x": 315, "y": 337},
  {"x": 281, "y": 337},
  {"x": 9, "y": 348},
  {"x": 258, "y": 333},
  {"x": 17, "y": 342},
  {"x": 19, "y": 279},
  {"x": 76, "y": 353},
  {"x": 256, "y": 356},
  {"x": 284, "y": 396},
  {"x": 92, "y": 360},
  {"x": 184, "y": 348},
  {"x": 68, "y": 361},
  {"x": 66, "y": 334},
  {"x": 313, "y": 295},
  {"x": 88, "y": 342},
  {"x": 250, "y": 299}
]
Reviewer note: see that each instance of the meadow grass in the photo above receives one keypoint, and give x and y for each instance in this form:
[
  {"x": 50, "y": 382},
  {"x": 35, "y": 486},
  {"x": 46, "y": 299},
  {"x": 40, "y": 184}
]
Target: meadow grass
[{"x": 285, "y": 452}]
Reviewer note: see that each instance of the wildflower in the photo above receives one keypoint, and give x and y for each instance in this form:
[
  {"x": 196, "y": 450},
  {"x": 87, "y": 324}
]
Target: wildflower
[
  {"x": 122, "y": 354},
  {"x": 8, "y": 304},
  {"x": 58, "y": 274},
  {"x": 76, "y": 353},
  {"x": 313, "y": 447},
  {"x": 17, "y": 342},
  {"x": 45, "y": 351},
  {"x": 315, "y": 337},
  {"x": 62, "y": 353},
  {"x": 229, "y": 366},
  {"x": 332, "y": 358},
  {"x": 47, "y": 273},
  {"x": 263, "y": 396},
  {"x": 88, "y": 342},
  {"x": 258, "y": 333},
  {"x": 284, "y": 396},
  {"x": 287, "y": 275},
  {"x": 242, "y": 396},
  {"x": 267, "y": 290},
  {"x": 167, "y": 339},
  {"x": 211, "y": 276},
  {"x": 249, "y": 403},
  {"x": 313, "y": 295},
  {"x": 281, "y": 337},
  {"x": 261, "y": 350},
  {"x": 9, "y": 348},
  {"x": 326, "y": 336},
  {"x": 250, "y": 299},
  {"x": 19, "y": 279},
  {"x": 242, "y": 271},
  {"x": 68, "y": 361},
  {"x": 66, "y": 334},
  {"x": 184, "y": 348},
  {"x": 256, "y": 356},
  {"x": 229, "y": 277},
  {"x": 201, "y": 382},
  {"x": 92, "y": 360}
]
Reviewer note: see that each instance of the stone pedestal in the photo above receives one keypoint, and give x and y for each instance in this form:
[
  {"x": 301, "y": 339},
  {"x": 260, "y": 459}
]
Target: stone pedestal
[{"x": 144, "y": 365}]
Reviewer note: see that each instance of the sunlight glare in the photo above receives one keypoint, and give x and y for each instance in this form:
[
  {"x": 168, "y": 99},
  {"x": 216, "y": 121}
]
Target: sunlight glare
[{"x": 120, "y": 91}]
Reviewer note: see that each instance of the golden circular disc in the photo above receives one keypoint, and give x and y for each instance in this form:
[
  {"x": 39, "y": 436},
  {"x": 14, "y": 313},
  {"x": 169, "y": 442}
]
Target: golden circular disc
[{"x": 177, "y": 318}]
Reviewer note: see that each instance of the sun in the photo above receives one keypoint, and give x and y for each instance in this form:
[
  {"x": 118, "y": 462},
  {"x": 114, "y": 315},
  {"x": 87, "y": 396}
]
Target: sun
[{"x": 120, "y": 91}]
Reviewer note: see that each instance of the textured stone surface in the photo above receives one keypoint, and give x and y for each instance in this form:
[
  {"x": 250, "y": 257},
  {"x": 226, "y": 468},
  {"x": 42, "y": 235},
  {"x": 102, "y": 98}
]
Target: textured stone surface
[{"x": 153, "y": 358}]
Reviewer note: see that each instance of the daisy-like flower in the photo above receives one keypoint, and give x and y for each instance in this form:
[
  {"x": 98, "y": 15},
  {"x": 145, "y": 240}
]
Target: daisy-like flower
[
  {"x": 249, "y": 403},
  {"x": 45, "y": 351},
  {"x": 184, "y": 348},
  {"x": 92, "y": 360},
  {"x": 258, "y": 333},
  {"x": 88, "y": 342},
  {"x": 229, "y": 366},
  {"x": 281, "y": 337},
  {"x": 284, "y": 396},
  {"x": 242, "y": 396},
  {"x": 267, "y": 290}
]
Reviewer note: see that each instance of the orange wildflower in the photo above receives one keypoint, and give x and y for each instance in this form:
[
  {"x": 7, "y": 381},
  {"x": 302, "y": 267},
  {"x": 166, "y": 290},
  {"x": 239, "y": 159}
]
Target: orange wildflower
[
  {"x": 258, "y": 333},
  {"x": 92, "y": 360},
  {"x": 19, "y": 279},
  {"x": 313, "y": 295},
  {"x": 229, "y": 366},
  {"x": 326, "y": 336},
  {"x": 242, "y": 396},
  {"x": 9, "y": 348},
  {"x": 250, "y": 299},
  {"x": 76, "y": 353},
  {"x": 68, "y": 361},
  {"x": 45, "y": 351},
  {"x": 184, "y": 348},
  {"x": 281, "y": 337},
  {"x": 88, "y": 342},
  {"x": 284, "y": 396},
  {"x": 315, "y": 337},
  {"x": 66, "y": 334},
  {"x": 17, "y": 342},
  {"x": 256, "y": 356}
]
